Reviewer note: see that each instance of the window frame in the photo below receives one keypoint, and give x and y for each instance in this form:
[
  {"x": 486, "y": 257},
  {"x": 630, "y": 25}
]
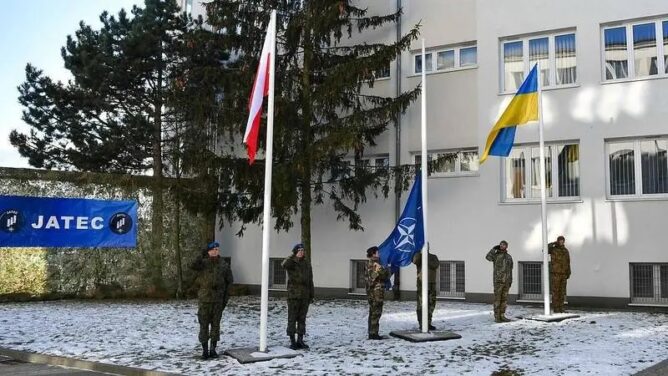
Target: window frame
[
  {"x": 521, "y": 294},
  {"x": 526, "y": 58},
  {"x": 630, "y": 52},
  {"x": 457, "y": 58},
  {"x": 658, "y": 298},
  {"x": 637, "y": 173},
  {"x": 452, "y": 293},
  {"x": 458, "y": 162},
  {"x": 353, "y": 288},
  {"x": 554, "y": 170},
  {"x": 272, "y": 285}
]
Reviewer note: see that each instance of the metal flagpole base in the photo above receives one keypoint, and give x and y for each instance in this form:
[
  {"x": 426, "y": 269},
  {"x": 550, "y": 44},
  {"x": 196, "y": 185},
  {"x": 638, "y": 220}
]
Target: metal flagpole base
[
  {"x": 418, "y": 336},
  {"x": 555, "y": 317},
  {"x": 253, "y": 355}
]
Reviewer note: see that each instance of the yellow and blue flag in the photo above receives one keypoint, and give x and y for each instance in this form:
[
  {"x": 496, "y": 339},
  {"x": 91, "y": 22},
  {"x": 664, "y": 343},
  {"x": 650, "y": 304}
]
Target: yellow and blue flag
[{"x": 522, "y": 109}]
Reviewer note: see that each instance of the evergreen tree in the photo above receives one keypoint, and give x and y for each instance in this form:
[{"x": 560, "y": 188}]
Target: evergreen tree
[
  {"x": 116, "y": 114},
  {"x": 324, "y": 112}
]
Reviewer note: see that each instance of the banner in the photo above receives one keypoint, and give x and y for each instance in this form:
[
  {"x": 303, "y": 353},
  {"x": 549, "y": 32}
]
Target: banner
[{"x": 67, "y": 222}]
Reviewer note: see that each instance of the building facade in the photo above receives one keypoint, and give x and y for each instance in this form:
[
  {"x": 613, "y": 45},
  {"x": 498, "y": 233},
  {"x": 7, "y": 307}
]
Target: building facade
[{"x": 604, "y": 70}]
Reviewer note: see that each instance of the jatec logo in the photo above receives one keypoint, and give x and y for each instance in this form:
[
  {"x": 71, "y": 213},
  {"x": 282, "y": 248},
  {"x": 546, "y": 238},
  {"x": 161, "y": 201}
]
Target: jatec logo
[
  {"x": 120, "y": 223},
  {"x": 11, "y": 221}
]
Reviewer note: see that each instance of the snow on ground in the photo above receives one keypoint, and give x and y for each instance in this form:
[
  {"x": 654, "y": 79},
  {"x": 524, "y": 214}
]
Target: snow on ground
[{"x": 163, "y": 336}]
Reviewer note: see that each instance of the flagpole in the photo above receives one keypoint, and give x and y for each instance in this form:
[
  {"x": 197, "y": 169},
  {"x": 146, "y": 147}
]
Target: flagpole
[
  {"x": 543, "y": 201},
  {"x": 266, "y": 219},
  {"x": 425, "y": 247}
]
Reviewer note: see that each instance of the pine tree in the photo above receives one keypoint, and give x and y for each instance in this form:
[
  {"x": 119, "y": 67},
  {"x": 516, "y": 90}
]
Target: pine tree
[{"x": 323, "y": 109}]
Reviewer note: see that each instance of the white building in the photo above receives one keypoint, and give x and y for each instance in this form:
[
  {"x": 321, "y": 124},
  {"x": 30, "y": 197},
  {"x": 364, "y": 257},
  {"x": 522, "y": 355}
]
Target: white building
[{"x": 605, "y": 106}]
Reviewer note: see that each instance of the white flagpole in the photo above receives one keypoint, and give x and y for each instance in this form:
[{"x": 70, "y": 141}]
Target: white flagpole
[
  {"x": 425, "y": 247},
  {"x": 543, "y": 203},
  {"x": 266, "y": 219}
]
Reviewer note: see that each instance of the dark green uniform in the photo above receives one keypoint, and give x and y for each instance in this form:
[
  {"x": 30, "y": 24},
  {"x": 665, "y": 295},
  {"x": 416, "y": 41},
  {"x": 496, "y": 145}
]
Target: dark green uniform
[
  {"x": 376, "y": 276},
  {"x": 214, "y": 279},
  {"x": 432, "y": 266},
  {"x": 560, "y": 271},
  {"x": 503, "y": 279},
  {"x": 300, "y": 293}
]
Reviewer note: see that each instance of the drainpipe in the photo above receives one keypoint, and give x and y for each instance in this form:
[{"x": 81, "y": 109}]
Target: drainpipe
[{"x": 397, "y": 151}]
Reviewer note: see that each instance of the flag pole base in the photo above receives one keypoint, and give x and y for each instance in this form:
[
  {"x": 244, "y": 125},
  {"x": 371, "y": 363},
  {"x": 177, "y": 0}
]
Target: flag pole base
[
  {"x": 253, "y": 354},
  {"x": 555, "y": 317},
  {"x": 418, "y": 336}
]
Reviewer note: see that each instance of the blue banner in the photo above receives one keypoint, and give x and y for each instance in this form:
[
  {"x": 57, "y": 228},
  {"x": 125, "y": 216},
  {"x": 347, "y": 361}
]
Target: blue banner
[
  {"x": 407, "y": 238},
  {"x": 67, "y": 222}
]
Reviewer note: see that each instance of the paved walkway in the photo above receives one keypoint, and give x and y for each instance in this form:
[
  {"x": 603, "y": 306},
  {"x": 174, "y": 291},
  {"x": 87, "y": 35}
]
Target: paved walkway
[{"x": 660, "y": 369}]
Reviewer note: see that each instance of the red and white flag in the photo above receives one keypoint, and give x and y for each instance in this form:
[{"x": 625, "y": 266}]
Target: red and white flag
[{"x": 260, "y": 90}]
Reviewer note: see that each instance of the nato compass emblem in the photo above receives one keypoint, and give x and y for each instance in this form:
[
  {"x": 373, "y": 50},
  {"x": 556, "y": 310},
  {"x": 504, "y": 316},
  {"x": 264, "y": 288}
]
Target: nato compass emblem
[
  {"x": 11, "y": 221},
  {"x": 405, "y": 242},
  {"x": 120, "y": 223}
]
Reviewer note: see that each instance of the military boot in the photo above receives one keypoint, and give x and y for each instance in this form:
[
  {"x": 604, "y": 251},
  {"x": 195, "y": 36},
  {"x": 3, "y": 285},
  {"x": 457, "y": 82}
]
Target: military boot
[
  {"x": 300, "y": 342},
  {"x": 212, "y": 351},
  {"x": 503, "y": 318},
  {"x": 497, "y": 316},
  {"x": 205, "y": 350},
  {"x": 293, "y": 343},
  {"x": 375, "y": 337}
]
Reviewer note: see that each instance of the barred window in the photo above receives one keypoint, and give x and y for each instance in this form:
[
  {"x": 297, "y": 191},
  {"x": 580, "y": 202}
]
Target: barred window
[
  {"x": 638, "y": 168},
  {"x": 631, "y": 50},
  {"x": 278, "y": 277},
  {"x": 451, "y": 279},
  {"x": 358, "y": 276},
  {"x": 649, "y": 283},
  {"x": 522, "y": 172},
  {"x": 531, "y": 280}
]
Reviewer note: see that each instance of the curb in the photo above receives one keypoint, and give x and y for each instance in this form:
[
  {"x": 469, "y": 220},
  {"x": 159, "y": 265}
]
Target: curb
[
  {"x": 31, "y": 357},
  {"x": 658, "y": 369}
]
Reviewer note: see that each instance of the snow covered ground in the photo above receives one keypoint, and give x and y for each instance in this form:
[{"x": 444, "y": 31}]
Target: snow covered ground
[{"x": 163, "y": 336}]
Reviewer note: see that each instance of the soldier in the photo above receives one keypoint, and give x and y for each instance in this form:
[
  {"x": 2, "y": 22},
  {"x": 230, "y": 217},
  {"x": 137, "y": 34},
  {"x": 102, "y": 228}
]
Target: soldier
[
  {"x": 376, "y": 276},
  {"x": 300, "y": 295},
  {"x": 560, "y": 271},
  {"x": 502, "y": 277},
  {"x": 214, "y": 279},
  {"x": 432, "y": 266}
]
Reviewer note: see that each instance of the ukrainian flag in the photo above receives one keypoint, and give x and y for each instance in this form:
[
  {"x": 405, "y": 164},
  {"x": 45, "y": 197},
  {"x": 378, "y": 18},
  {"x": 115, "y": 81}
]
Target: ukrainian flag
[{"x": 521, "y": 110}]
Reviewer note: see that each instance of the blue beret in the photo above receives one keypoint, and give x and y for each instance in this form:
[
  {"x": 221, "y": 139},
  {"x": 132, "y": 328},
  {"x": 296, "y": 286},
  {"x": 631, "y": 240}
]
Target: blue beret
[
  {"x": 212, "y": 245},
  {"x": 296, "y": 247}
]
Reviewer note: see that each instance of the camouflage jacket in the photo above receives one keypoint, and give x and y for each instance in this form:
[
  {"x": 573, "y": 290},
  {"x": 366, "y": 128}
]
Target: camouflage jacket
[
  {"x": 432, "y": 265},
  {"x": 300, "y": 278},
  {"x": 214, "y": 279},
  {"x": 503, "y": 265},
  {"x": 376, "y": 276},
  {"x": 560, "y": 259}
]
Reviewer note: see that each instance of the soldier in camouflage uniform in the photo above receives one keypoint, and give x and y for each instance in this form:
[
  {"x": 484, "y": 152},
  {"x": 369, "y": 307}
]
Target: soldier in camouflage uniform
[
  {"x": 502, "y": 277},
  {"x": 376, "y": 276},
  {"x": 560, "y": 271},
  {"x": 300, "y": 295},
  {"x": 432, "y": 267},
  {"x": 214, "y": 279}
]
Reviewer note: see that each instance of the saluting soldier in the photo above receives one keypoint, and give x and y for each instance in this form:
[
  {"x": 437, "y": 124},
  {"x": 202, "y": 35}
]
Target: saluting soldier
[
  {"x": 502, "y": 277},
  {"x": 432, "y": 267},
  {"x": 560, "y": 271},
  {"x": 376, "y": 276},
  {"x": 300, "y": 295},
  {"x": 214, "y": 279}
]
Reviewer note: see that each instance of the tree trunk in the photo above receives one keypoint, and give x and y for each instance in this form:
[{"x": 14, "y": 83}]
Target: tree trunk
[{"x": 305, "y": 200}]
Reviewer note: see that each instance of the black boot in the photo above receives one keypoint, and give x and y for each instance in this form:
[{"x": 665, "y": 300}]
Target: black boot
[
  {"x": 300, "y": 342},
  {"x": 375, "y": 337},
  {"x": 293, "y": 343},
  {"x": 431, "y": 327},
  {"x": 205, "y": 350},
  {"x": 212, "y": 352}
]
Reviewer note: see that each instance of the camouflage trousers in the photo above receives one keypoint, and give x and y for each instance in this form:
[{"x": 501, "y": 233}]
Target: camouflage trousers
[
  {"x": 500, "y": 298},
  {"x": 375, "y": 311},
  {"x": 431, "y": 302},
  {"x": 209, "y": 315},
  {"x": 558, "y": 291},
  {"x": 297, "y": 309}
]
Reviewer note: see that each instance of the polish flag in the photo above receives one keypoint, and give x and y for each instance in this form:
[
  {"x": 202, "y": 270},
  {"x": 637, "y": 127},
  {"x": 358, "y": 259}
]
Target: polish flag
[{"x": 260, "y": 90}]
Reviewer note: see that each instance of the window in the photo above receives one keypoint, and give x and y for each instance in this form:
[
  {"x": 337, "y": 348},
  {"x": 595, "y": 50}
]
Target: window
[
  {"x": 382, "y": 72},
  {"x": 633, "y": 50},
  {"x": 522, "y": 172},
  {"x": 358, "y": 276},
  {"x": 531, "y": 280},
  {"x": 649, "y": 283},
  {"x": 451, "y": 279},
  {"x": 278, "y": 277},
  {"x": 555, "y": 54},
  {"x": 638, "y": 168},
  {"x": 447, "y": 59},
  {"x": 462, "y": 162},
  {"x": 347, "y": 167},
  {"x": 188, "y": 6}
]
